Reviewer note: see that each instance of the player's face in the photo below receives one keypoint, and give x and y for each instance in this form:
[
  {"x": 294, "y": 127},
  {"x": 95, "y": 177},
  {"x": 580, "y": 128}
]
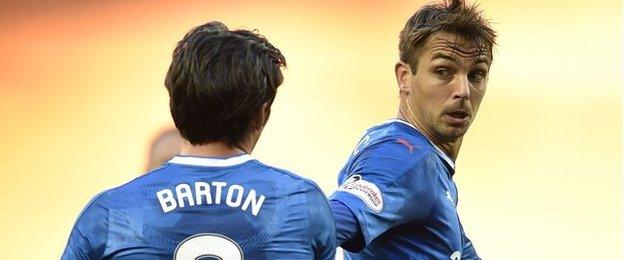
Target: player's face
[{"x": 447, "y": 88}]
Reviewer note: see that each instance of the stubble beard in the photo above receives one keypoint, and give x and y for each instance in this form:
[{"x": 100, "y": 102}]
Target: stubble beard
[{"x": 448, "y": 133}]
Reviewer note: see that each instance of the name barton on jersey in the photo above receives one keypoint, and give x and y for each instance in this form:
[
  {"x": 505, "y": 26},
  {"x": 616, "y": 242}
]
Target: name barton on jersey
[{"x": 204, "y": 193}]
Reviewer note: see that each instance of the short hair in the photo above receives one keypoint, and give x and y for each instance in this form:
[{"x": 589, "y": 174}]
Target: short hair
[
  {"x": 452, "y": 16},
  {"x": 218, "y": 80}
]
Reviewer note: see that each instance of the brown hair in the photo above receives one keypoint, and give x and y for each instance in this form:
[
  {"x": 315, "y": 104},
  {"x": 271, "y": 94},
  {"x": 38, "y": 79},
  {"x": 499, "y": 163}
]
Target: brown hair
[
  {"x": 452, "y": 16},
  {"x": 218, "y": 80}
]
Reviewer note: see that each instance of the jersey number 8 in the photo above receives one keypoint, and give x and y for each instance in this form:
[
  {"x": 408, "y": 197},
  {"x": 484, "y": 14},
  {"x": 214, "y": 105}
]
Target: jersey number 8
[{"x": 208, "y": 246}]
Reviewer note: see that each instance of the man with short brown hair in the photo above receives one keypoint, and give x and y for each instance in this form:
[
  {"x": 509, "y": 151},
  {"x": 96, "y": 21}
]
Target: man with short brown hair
[
  {"x": 397, "y": 198},
  {"x": 213, "y": 200}
]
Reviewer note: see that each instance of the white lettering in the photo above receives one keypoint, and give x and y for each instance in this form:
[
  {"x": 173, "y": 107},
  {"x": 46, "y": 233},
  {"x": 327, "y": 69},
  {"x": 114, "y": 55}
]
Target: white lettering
[
  {"x": 183, "y": 191},
  {"x": 239, "y": 196},
  {"x": 219, "y": 185},
  {"x": 167, "y": 202},
  {"x": 253, "y": 200},
  {"x": 194, "y": 194},
  {"x": 202, "y": 189}
]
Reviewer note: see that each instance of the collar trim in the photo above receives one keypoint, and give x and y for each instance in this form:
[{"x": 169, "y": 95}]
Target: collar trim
[{"x": 211, "y": 162}]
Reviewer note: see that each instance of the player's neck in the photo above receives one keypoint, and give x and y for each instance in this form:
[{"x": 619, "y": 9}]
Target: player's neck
[
  {"x": 214, "y": 149},
  {"x": 450, "y": 148}
]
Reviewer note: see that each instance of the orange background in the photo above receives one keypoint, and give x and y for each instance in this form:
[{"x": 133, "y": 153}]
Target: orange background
[{"x": 539, "y": 174}]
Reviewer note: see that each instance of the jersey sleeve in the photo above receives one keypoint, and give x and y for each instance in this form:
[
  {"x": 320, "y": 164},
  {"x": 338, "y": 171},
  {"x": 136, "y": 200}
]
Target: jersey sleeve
[
  {"x": 388, "y": 185},
  {"x": 322, "y": 226},
  {"x": 88, "y": 237}
]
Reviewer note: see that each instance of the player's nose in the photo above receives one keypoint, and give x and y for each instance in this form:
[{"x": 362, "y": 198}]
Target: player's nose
[{"x": 461, "y": 88}]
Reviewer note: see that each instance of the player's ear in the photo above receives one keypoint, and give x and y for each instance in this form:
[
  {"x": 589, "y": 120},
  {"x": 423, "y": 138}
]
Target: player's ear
[
  {"x": 403, "y": 73},
  {"x": 262, "y": 117},
  {"x": 267, "y": 112}
]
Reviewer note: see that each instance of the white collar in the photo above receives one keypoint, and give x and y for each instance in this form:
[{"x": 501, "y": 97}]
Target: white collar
[
  {"x": 215, "y": 162},
  {"x": 437, "y": 149}
]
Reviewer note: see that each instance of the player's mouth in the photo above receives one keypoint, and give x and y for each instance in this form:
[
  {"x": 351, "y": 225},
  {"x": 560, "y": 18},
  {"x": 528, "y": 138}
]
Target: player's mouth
[{"x": 458, "y": 117}]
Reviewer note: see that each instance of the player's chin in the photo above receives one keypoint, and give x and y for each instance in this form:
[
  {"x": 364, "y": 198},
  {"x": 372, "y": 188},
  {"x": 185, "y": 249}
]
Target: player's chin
[{"x": 452, "y": 132}]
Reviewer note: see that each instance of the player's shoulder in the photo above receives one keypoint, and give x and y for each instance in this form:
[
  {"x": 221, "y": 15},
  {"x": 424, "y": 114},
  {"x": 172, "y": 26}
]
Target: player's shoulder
[
  {"x": 137, "y": 182},
  {"x": 399, "y": 133},
  {"x": 96, "y": 208},
  {"x": 391, "y": 149},
  {"x": 131, "y": 191},
  {"x": 287, "y": 178}
]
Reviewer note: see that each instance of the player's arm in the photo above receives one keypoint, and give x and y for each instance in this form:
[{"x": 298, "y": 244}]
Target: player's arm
[
  {"x": 348, "y": 231},
  {"x": 390, "y": 186},
  {"x": 88, "y": 236},
  {"x": 468, "y": 251}
]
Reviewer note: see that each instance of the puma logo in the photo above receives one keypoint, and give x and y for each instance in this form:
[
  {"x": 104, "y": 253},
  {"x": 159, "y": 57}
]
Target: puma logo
[{"x": 407, "y": 144}]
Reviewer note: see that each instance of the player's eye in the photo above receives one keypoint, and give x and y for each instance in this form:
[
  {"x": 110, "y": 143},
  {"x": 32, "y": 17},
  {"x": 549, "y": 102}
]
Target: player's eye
[
  {"x": 443, "y": 73},
  {"x": 477, "y": 76}
]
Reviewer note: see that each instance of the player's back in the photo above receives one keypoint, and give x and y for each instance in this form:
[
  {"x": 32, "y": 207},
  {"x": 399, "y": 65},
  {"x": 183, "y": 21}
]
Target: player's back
[{"x": 207, "y": 207}]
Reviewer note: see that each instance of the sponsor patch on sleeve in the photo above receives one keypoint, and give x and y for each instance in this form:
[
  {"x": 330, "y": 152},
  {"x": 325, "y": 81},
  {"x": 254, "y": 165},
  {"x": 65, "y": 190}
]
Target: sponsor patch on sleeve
[{"x": 366, "y": 191}]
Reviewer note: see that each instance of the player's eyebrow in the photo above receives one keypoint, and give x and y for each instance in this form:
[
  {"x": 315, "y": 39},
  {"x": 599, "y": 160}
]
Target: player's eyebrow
[
  {"x": 442, "y": 55},
  {"x": 452, "y": 58}
]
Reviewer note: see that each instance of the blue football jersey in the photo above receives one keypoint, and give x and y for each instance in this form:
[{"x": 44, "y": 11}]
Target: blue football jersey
[
  {"x": 399, "y": 186},
  {"x": 230, "y": 208}
]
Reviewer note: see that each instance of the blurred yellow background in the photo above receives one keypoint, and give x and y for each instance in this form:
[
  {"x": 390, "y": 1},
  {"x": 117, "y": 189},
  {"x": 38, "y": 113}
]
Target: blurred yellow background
[{"x": 539, "y": 174}]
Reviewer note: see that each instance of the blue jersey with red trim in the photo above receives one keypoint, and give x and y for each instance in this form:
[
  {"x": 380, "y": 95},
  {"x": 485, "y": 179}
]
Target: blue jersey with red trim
[
  {"x": 399, "y": 187},
  {"x": 231, "y": 208}
]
